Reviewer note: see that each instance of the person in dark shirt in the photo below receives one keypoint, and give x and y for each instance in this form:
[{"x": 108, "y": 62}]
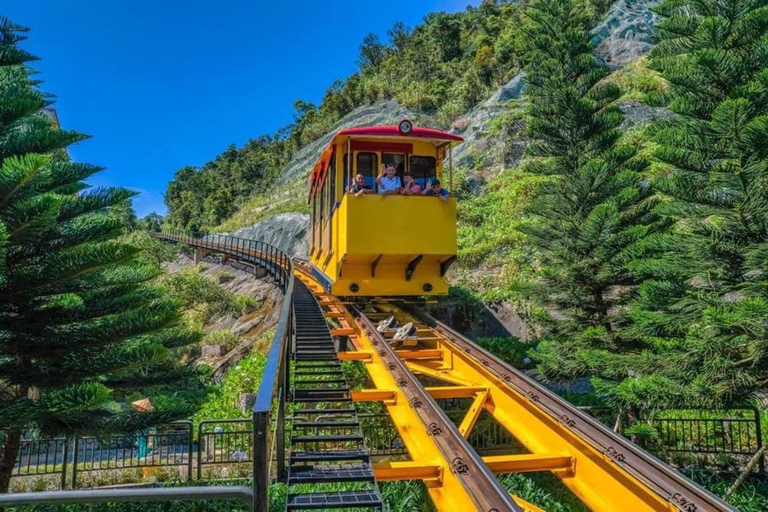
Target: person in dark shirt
[
  {"x": 359, "y": 187},
  {"x": 434, "y": 189}
]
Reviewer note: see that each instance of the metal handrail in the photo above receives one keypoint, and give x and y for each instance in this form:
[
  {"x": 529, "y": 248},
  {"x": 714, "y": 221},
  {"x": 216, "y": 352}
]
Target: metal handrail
[
  {"x": 122, "y": 495},
  {"x": 275, "y": 379}
]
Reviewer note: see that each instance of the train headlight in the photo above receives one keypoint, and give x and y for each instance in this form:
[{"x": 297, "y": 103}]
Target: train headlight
[
  {"x": 405, "y": 127},
  {"x": 427, "y": 287},
  {"x": 354, "y": 288}
]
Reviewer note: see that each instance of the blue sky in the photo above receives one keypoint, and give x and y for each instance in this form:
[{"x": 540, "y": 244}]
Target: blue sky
[{"x": 166, "y": 83}]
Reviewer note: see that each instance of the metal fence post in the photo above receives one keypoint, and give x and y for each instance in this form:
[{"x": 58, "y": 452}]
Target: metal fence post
[
  {"x": 190, "y": 435},
  {"x": 75, "y": 452},
  {"x": 261, "y": 461},
  {"x": 64, "y": 465},
  {"x": 199, "y": 450},
  {"x": 759, "y": 435}
]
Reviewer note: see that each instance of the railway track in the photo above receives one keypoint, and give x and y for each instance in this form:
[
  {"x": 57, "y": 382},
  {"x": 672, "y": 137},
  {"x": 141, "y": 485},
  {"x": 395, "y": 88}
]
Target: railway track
[{"x": 398, "y": 343}]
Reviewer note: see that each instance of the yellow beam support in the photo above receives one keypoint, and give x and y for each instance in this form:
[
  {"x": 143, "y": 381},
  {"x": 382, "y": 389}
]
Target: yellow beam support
[
  {"x": 527, "y": 507},
  {"x": 529, "y": 462},
  {"x": 362, "y": 355},
  {"x": 474, "y": 412},
  {"x": 441, "y": 373},
  {"x": 432, "y": 474},
  {"x": 423, "y": 354},
  {"x": 597, "y": 480},
  {"x": 343, "y": 332},
  {"x": 455, "y": 391},
  {"x": 374, "y": 395}
]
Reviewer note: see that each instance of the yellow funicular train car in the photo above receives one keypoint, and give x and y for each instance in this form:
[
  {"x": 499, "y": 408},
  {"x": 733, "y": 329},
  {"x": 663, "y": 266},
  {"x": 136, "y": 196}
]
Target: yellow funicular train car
[{"x": 368, "y": 241}]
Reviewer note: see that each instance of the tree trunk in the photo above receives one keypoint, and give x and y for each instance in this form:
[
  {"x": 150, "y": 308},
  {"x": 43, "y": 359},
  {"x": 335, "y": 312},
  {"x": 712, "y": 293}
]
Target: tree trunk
[{"x": 8, "y": 453}]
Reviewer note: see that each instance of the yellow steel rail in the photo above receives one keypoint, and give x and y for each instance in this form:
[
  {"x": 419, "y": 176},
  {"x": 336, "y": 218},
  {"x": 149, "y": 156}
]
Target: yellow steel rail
[{"x": 604, "y": 470}]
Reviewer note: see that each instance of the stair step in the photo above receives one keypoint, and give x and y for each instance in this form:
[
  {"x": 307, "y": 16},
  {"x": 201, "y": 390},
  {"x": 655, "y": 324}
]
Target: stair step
[
  {"x": 346, "y": 412},
  {"x": 326, "y": 424},
  {"x": 322, "y": 399},
  {"x": 319, "y": 393},
  {"x": 335, "y": 438},
  {"x": 323, "y": 373},
  {"x": 331, "y": 500},
  {"x": 329, "y": 474},
  {"x": 330, "y": 455},
  {"x": 314, "y": 382}
]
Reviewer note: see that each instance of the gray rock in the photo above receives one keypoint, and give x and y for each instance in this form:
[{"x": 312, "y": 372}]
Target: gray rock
[
  {"x": 287, "y": 231},
  {"x": 245, "y": 402},
  {"x": 211, "y": 351},
  {"x": 627, "y": 32},
  {"x": 480, "y": 148},
  {"x": 637, "y": 113}
]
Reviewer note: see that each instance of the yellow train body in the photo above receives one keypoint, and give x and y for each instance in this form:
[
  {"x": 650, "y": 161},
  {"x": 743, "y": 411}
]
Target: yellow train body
[{"x": 375, "y": 244}]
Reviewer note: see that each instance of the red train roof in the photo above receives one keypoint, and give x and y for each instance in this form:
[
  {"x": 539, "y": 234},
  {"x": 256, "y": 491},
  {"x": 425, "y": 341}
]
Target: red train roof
[{"x": 393, "y": 131}]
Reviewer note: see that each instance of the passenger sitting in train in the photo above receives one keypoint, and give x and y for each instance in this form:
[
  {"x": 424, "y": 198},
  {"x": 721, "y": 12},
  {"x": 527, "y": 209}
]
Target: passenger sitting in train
[
  {"x": 434, "y": 189},
  {"x": 410, "y": 187},
  {"x": 388, "y": 182},
  {"x": 359, "y": 187}
]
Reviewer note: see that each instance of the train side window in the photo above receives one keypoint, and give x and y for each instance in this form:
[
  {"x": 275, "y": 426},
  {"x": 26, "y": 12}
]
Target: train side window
[
  {"x": 321, "y": 195},
  {"x": 332, "y": 188},
  {"x": 423, "y": 169},
  {"x": 398, "y": 160}
]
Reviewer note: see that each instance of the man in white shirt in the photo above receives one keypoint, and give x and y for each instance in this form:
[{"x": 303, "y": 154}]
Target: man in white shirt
[{"x": 388, "y": 182}]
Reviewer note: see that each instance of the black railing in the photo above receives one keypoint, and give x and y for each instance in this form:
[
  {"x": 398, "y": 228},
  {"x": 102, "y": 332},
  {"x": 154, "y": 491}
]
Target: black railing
[
  {"x": 221, "y": 442},
  {"x": 717, "y": 439},
  {"x": 166, "y": 446},
  {"x": 275, "y": 380},
  {"x": 43, "y": 457}
]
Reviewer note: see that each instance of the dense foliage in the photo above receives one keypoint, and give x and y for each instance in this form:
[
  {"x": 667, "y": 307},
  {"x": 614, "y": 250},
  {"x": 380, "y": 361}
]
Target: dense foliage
[
  {"x": 653, "y": 280},
  {"x": 703, "y": 304},
  {"x": 82, "y": 324},
  {"x": 442, "y": 67},
  {"x": 592, "y": 206}
]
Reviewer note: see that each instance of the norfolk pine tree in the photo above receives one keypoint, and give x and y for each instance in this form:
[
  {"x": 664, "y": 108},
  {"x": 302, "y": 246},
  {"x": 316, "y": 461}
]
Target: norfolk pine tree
[
  {"x": 593, "y": 206},
  {"x": 704, "y": 302},
  {"x": 80, "y": 324}
]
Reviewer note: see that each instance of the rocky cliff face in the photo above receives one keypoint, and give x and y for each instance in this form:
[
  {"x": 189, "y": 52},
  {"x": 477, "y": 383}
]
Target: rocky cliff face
[
  {"x": 627, "y": 32},
  {"x": 286, "y": 231}
]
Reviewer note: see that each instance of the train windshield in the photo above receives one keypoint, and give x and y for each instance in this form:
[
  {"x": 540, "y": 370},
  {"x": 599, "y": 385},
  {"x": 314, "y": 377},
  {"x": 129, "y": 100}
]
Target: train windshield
[{"x": 397, "y": 160}]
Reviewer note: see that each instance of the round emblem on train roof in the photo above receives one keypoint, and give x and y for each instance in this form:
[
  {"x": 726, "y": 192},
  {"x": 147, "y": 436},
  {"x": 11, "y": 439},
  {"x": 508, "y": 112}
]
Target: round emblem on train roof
[{"x": 405, "y": 126}]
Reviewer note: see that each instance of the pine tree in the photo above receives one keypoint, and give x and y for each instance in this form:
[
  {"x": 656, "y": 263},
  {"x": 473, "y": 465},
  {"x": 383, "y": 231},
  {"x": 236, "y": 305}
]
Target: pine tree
[
  {"x": 703, "y": 304},
  {"x": 593, "y": 205},
  {"x": 81, "y": 324}
]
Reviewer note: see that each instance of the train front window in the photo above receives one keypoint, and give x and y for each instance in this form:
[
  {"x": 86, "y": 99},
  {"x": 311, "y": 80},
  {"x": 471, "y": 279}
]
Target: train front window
[
  {"x": 397, "y": 160},
  {"x": 367, "y": 165},
  {"x": 423, "y": 169}
]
